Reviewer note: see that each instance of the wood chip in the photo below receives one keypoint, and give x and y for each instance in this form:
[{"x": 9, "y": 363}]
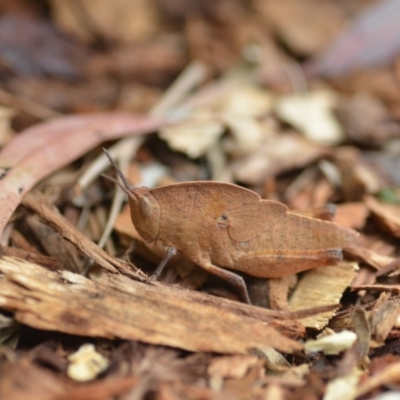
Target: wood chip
[
  {"x": 322, "y": 286},
  {"x": 116, "y": 307}
]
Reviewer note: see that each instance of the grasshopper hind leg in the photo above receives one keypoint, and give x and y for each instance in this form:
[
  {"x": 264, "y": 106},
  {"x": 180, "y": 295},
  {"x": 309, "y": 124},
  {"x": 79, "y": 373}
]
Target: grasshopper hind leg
[{"x": 234, "y": 279}]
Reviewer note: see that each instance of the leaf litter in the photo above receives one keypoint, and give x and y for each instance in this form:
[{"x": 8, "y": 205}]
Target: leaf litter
[{"x": 236, "y": 91}]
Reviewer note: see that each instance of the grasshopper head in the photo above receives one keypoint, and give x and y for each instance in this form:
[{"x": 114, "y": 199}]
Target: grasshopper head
[
  {"x": 145, "y": 209},
  {"x": 145, "y": 213}
]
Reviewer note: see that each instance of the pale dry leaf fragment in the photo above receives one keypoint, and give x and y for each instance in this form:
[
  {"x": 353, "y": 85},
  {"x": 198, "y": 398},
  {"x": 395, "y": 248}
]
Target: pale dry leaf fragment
[
  {"x": 193, "y": 136},
  {"x": 344, "y": 387},
  {"x": 247, "y": 100},
  {"x": 242, "y": 112},
  {"x": 277, "y": 154},
  {"x": 331, "y": 344},
  {"x": 86, "y": 363},
  {"x": 312, "y": 114},
  {"x": 234, "y": 105},
  {"x": 247, "y": 134},
  {"x": 322, "y": 286}
]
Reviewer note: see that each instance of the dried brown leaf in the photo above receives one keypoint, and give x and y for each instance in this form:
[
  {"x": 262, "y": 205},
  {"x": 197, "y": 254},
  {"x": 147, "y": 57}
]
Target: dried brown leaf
[
  {"x": 279, "y": 153},
  {"x": 42, "y": 149}
]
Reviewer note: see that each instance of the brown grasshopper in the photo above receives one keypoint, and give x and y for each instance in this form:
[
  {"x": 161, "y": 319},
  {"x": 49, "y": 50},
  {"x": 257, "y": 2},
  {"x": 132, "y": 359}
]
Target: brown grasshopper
[{"x": 220, "y": 225}]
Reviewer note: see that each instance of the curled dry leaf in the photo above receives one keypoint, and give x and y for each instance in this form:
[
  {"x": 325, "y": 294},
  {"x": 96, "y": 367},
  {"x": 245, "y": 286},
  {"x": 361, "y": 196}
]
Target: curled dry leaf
[
  {"x": 42, "y": 149},
  {"x": 236, "y": 110}
]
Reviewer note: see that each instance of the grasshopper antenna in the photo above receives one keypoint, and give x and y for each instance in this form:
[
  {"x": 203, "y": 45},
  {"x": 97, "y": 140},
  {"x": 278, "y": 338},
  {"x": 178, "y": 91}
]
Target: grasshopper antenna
[{"x": 128, "y": 186}]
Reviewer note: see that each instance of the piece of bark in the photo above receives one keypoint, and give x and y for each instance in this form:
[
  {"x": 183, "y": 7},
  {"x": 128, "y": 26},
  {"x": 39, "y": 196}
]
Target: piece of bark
[
  {"x": 383, "y": 317},
  {"x": 278, "y": 290},
  {"x": 37, "y": 203},
  {"x": 389, "y": 375},
  {"x": 367, "y": 255},
  {"x": 391, "y": 268},
  {"x": 358, "y": 352},
  {"x": 54, "y": 245},
  {"x": 395, "y": 289},
  {"x": 387, "y": 216},
  {"x": 322, "y": 286},
  {"x": 116, "y": 307},
  {"x": 22, "y": 380},
  {"x": 34, "y": 258}
]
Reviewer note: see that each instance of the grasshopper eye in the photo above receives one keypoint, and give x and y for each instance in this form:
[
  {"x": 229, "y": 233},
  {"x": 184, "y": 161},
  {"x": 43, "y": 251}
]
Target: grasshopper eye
[
  {"x": 222, "y": 220},
  {"x": 146, "y": 206}
]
